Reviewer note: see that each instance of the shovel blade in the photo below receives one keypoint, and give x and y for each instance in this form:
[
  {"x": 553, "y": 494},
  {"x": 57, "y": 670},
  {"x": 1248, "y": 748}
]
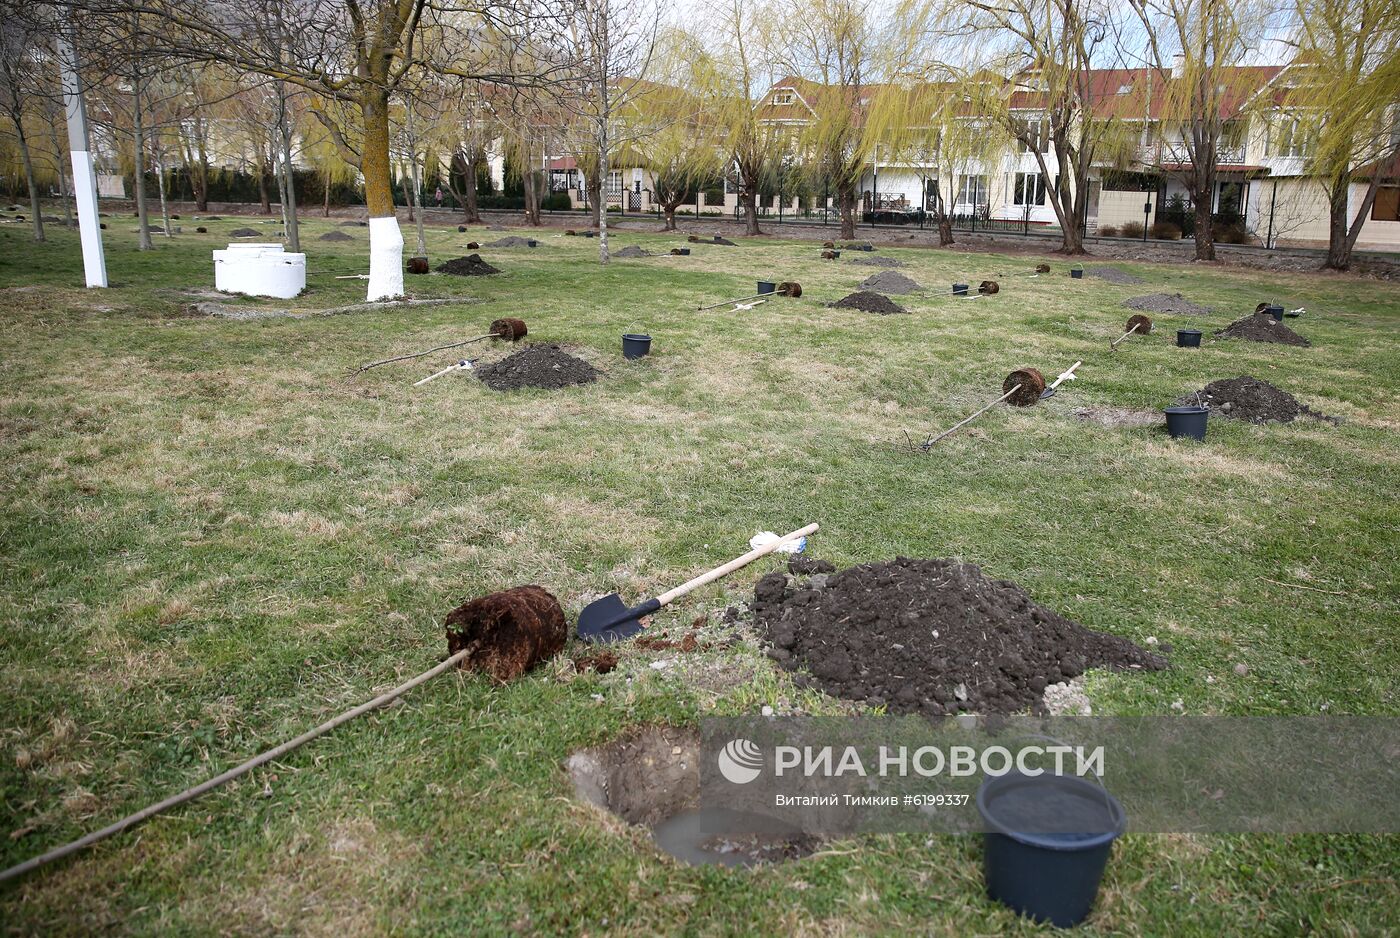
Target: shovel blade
[
  {"x": 609, "y": 620},
  {"x": 1047, "y": 393}
]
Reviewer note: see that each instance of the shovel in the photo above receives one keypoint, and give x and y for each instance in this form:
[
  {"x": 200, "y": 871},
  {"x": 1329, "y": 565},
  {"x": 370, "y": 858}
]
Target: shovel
[
  {"x": 1066, "y": 375},
  {"x": 608, "y": 620}
]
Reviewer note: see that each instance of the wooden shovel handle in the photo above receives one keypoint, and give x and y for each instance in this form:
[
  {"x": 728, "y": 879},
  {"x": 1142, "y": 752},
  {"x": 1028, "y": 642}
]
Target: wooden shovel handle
[{"x": 733, "y": 565}]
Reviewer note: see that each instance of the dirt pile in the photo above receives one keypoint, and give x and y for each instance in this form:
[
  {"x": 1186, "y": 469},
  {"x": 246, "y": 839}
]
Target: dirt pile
[
  {"x": 890, "y": 283},
  {"x": 352, "y": 224},
  {"x": 722, "y": 241},
  {"x": 874, "y": 260},
  {"x": 1261, "y": 327},
  {"x": 1113, "y": 274},
  {"x": 243, "y": 233},
  {"x": 929, "y": 636},
  {"x": 1247, "y": 398},
  {"x": 869, "y": 303},
  {"x": 335, "y": 236},
  {"x": 1172, "y": 303},
  {"x": 539, "y": 366},
  {"x": 470, "y": 266},
  {"x": 632, "y": 250},
  {"x": 513, "y": 241}
]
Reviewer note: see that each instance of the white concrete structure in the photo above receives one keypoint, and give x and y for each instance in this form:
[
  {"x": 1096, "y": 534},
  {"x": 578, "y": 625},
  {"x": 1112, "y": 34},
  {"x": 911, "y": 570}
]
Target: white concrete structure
[{"x": 260, "y": 270}]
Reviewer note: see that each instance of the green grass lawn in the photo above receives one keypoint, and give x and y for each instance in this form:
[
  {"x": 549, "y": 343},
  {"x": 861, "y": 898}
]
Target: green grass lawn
[{"x": 211, "y": 539}]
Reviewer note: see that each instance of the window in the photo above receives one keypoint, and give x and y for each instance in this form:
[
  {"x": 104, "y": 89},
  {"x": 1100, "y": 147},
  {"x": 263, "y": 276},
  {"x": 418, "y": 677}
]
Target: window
[
  {"x": 972, "y": 190},
  {"x": 1289, "y": 137},
  {"x": 1028, "y": 189},
  {"x": 1036, "y": 134},
  {"x": 782, "y": 97},
  {"x": 1387, "y": 204},
  {"x": 615, "y": 182}
]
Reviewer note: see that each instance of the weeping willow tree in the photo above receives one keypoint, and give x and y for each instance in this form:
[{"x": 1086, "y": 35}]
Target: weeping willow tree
[
  {"x": 752, "y": 146},
  {"x": 1194, "y": 50},
  {"x": 326, "y": 159},
  {"x": 1339, "y": 107},
  {"x": 680, "y": 145},
  {"x": 941, "y": 128}
]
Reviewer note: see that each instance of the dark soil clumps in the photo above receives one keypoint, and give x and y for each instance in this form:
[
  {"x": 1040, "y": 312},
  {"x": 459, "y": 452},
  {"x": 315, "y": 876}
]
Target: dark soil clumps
[
  {"x": 243, "y": 233},
  {"x": 1261, "y": 327},
  {"x": 351, "y": 224},
  {"x": 868, "y": 302},
  {"x": 802, "y": 565},
  {"x": 874, "y": 260},
  {"x": 1113, "y": 275},
  {"x": 632, "y": 250},
  {"x": 507, "y": 633},
  {"x": 891, "y": 283},
  {"x": 539, "y": 366},
  {"x": 470, "y": 266},
  {"x": 513, "y": 241},
  {"x": 1173, "y": 303},
  {"x": 725, "y": 242},
  {"x": 1247, "y": 398},
  {"x": 931, "y": 637},
  {"x": 335, "y": 236}
]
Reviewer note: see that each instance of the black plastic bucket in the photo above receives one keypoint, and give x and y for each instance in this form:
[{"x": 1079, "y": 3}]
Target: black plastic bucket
[
  {"x": 1275, "y": 311},
  {"x": 1189, "y": 422},
  {"x": 635, "y": 345},
  {"x": 1077, "y": 272},
  {"x": 532, "y": 243},
  {"x": 1034, "y": 860},
  {"x": 766, "y": 286},
  {"x": 1188, "y": 338},
  {"x": 685, "y": 252},
  {"x": 960, "y": 289}
]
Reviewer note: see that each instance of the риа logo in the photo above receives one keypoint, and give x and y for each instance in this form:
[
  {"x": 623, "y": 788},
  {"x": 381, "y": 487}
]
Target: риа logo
[{"x": 740, "y": 761}]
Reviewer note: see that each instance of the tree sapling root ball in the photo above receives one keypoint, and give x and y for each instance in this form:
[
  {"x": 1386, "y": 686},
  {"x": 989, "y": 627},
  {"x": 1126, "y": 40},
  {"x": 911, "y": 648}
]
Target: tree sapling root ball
[
  {"x": 508, "y": 632},
  {"x": 1031, "y": 382}
]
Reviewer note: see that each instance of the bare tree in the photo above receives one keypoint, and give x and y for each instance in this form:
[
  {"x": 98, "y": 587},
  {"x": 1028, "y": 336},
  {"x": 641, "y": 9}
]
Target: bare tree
[{"x": 22, "y": 37}]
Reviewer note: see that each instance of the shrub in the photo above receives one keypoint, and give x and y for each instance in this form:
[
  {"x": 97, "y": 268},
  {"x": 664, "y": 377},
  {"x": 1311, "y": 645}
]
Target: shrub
[
  {"x": 1131, "y": 230},
  {"x": 1234, "y": 233},
  {"x": 557, "y": 202},
  {"x": 714, "y": 196},
  {"x": 1166, "y": 231},
  {"x": 1108, "y": 231},
  {"x": 615, "y": 208}
]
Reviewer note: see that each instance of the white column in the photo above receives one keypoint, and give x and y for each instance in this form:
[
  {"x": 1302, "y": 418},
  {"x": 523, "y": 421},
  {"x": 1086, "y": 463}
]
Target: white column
[{"x": 84, "y": 178}]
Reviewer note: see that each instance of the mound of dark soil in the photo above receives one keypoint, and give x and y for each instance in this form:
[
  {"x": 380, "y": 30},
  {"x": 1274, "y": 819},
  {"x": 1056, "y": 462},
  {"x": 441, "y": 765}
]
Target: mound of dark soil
[
  {"x": 859, "y": 246},
  {"x": 929, "y": 636},
  {"x": 889, "y": 282},
  {"x": 351, "y": 224},
  {"x": 632, "y": 250},
  {"x": 722, "y": 241},
  {"x": 868, "y": 302},
  {"x": 1247, "y": 398},
  {"x": 244, "y": 233},
  {"x": 335, "y": 236},
  {"x": 470, "y": 266},
  {"x": 1112, "y": 274},
  {"x": 513, "y": 241},
  {"x": 1261, "y": 327},
  {"x": 539, "y": 366},
  {"x": 1173, "y": 303},
  {"x": 872, "y": 260}
]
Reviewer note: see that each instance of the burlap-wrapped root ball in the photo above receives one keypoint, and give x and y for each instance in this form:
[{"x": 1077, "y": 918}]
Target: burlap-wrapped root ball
[
  {"x": 988, "y": 287},
  {"x": 1143, "y": 324},
  {"x": 1042, "y": 268},
  {"x": 507, "y": 633},
  {"x": 1031, "y": 382},
  {"x": 418, "y": 265},
  {"x": 510, "y": 329}
]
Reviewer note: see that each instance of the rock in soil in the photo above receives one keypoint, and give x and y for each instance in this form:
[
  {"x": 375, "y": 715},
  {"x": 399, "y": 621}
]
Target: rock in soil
[
  {"x": 539, "y": 366},
  {"x": 1261, "y": 327},
  {"x": 890, "y": 283},
  {"x": 1173, "y": 303},
  {"x": 870, "y": 303},
  {"x": 244, "y": 233},
  {"x": 470, "y": 266},
  {"x": 1251, "y": 399},
  {"x": 507, "y": 633},
  {"x": 875, "y": 260},
  {"x": 335, "y": 236},
  {"x": 931, "y": 637},
  {"x": 1113, "y": 274}
]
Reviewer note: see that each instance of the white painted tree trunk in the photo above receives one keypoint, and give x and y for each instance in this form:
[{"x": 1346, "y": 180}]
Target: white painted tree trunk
[{"x": 385, "y": 259}]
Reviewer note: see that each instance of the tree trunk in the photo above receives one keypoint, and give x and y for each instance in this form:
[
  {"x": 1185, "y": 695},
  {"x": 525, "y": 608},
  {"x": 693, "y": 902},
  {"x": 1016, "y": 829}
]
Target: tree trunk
[
  {"x": 1342, "y": 232},
  {"x": 289, "y": 202},
  {"x": 669, "y": 212},
  {"x": 199, "y": 172},
  {"x": 1205, "y": 236},
  {"x": 471, "y": 213},
  {"x": 846, "y": 198},
  {"x": 748, "y": 198},
  {"x": 326, "y": 197},
  {"x": 264, "y": 194},
  {"x": 29, "y": 178},
  {"x": 945, "y": 231},
  {"x": 160, "y": 188},
  {"x": 138, "y": 138},
  {"x": 385, "y": 238},
  {"x": 595, "y": 198},
  {"x": 62, "y": 176}
]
